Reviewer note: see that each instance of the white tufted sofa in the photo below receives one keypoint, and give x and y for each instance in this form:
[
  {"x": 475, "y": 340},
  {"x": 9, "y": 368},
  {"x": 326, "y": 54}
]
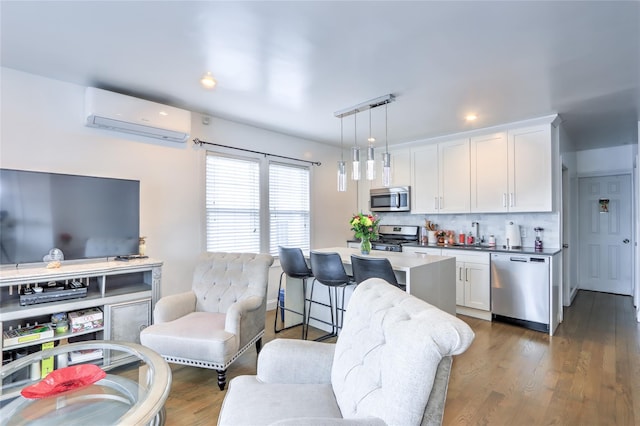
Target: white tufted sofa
[
  {"x": 221, "y": 317},
  {"x": 390, "y": 365}
]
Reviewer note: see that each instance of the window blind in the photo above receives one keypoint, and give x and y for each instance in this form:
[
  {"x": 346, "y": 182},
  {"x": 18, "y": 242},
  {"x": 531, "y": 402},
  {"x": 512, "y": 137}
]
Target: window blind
[
  {"x": 232, "y": 204},
  {"x": 289, "y": 208}
]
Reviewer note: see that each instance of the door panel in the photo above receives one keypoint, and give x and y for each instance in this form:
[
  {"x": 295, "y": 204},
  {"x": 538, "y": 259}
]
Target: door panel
[{"x": 605, "y": 234}]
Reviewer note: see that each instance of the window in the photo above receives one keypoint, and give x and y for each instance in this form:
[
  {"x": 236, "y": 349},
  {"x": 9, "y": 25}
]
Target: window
[
  {"x": 288, "y": 207},
  {"x": 238, "y": 219},
  {"x": 232, "y": 204}
]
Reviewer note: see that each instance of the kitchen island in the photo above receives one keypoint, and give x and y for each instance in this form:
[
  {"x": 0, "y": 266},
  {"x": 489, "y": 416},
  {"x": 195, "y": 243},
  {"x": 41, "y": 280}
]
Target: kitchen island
[{"x": 430, "y": 278}]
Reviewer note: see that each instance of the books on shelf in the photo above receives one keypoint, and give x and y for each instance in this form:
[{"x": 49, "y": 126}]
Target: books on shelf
[
  {"x": 84, "y": 355},
  {"x": 86, "y": 319},
  {"x": 26, "y": 334}
]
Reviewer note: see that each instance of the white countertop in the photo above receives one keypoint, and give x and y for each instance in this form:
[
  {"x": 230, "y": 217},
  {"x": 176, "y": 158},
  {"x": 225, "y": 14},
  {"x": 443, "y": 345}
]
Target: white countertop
[{"x": 399, "y": 261}]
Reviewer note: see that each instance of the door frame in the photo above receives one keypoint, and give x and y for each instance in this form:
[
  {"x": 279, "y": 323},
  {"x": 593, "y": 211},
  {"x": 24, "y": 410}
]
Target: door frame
[{"x": 634, "y": 218}]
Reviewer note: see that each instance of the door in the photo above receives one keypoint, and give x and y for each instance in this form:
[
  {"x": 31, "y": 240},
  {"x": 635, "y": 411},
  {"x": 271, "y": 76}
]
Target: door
[
  {"x": 477, "y": 287},
  {"x": 605, "y": 234}
]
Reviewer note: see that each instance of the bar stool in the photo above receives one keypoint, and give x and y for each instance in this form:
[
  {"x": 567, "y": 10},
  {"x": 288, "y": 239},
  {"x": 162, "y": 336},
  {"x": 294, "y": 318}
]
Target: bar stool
[
  {"x": 373, "y": 267},
  {"x": 328, "y": 270},
  {"x": 293, "y": 266}
]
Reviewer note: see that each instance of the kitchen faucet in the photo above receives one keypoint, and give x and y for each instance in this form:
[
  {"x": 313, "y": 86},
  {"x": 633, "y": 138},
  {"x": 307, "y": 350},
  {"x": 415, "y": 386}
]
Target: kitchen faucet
[{"x": 477, "y": 236}]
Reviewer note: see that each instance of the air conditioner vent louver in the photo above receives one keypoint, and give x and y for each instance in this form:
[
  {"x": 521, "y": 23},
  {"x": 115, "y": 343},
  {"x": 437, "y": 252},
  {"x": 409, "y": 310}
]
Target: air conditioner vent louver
[{"x": 122, "y": 113}]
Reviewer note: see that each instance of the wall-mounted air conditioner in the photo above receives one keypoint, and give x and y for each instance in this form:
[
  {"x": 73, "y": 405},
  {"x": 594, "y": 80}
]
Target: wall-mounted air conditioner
[{"x": 122, "y": 113}]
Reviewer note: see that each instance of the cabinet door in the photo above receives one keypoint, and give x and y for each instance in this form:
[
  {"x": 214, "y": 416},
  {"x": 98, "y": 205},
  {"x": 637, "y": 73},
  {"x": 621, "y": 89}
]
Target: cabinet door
[
  {"x": 454, "y": 177},
  {"x": 489, "y": 188},
  {"x": 477, "y": 286},
  {"x": 400, "y": 167},
  {"x": 424, "y": 179},
  {"x": 530, "y": 173},
  {"x": 460, "y": 283}
]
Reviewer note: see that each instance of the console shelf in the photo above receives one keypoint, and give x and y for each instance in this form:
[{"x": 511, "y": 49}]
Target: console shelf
[{"x": 126, "y": 292}]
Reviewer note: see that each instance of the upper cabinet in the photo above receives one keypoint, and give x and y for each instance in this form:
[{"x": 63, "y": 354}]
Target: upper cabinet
[
  {"x": 530, "y": 169},
  {"x": 511, "y": 171},
  {"x": 440, "y": 178},
  {"x": 489, "y": 173}
]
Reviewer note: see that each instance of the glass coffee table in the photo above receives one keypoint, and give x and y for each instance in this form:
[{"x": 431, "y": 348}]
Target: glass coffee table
[{"x": 134, "y": 390}]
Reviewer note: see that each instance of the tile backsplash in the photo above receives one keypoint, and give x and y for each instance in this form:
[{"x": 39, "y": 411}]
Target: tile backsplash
[{"x": 490, "y": 223}]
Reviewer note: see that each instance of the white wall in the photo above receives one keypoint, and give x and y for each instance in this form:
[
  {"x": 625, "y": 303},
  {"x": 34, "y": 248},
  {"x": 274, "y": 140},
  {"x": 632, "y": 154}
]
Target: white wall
[
  {"x": 606, "y": 160},
  {"x": 42, "y": 129}
]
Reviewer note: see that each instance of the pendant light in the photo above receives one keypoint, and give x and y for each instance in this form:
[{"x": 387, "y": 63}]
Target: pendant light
[
  {"x": 371, "y": 162},
  {"x": 355, "y": 152},
  {"x": 386, "y": 157},
  {"x": 342, "y": 167}
]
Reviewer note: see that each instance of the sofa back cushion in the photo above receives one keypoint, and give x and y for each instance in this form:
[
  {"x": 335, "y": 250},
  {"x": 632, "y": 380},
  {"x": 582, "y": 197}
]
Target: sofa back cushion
[
  {"x": 221, "y": 279},
  {"x": 388, "y": 352}
]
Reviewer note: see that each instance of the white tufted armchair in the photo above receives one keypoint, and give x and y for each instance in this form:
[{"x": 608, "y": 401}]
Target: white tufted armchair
[
  {"x": 221, "y": 316},
  {"x": 390, "y": 365}
]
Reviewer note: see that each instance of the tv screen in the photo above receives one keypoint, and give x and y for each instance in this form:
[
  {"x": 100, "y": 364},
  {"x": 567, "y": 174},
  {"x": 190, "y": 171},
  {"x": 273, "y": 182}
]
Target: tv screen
[{"x": 85, "y": 217}]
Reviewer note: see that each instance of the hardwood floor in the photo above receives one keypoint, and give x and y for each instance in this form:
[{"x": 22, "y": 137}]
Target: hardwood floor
[{"x": 587, "y": 374}]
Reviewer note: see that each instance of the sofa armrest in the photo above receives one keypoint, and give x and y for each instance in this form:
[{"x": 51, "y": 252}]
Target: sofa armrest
[
  {"x": 328, "y": 421},
  {"x": 295, "y": 361},
  {"x": 172, "y": 307}
]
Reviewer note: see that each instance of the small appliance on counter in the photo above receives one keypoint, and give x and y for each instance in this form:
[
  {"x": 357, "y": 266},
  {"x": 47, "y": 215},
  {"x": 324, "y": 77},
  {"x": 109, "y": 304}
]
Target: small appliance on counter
[
  {"x": 512, "y": 235},
  {"x": 538, "y": 242}
]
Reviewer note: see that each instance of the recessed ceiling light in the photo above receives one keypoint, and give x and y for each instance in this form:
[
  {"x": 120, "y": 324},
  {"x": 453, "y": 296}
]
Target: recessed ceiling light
[
  {"x": 207, "y": 81},
  {"x": 163, "y": 113},
  {"x": 471, "y": 117}
]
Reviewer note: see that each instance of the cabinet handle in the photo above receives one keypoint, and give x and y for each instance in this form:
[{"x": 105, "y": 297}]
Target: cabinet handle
[
  {"x": 504, "y": 199},
  {"x": 466, "y": 274},
  {"x": 440, "y": 205},
  {"x": 511, "y": 198},
  {"x": 460, "y": 273},
  {"x": 435, "y": 203}
]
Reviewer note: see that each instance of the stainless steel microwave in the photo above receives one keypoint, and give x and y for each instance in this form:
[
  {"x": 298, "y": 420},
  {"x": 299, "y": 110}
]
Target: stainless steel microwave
[{"x": 396, "y": 199}]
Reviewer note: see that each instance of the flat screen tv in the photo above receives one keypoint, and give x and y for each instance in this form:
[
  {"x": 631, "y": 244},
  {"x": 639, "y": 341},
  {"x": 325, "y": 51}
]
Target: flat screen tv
[{"x": 85, "y": 217}]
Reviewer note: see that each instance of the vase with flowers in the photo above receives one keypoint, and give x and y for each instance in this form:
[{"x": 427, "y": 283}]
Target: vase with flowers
[{"x": 365, "y": 227}]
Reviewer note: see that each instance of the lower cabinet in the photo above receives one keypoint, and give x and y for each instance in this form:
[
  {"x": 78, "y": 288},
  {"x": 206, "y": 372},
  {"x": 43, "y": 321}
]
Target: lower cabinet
[{"x": 473, "y": 283}]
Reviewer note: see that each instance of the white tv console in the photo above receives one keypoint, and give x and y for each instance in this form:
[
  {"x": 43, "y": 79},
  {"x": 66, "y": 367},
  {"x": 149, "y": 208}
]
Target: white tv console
[{"x": 126, "y": 292}]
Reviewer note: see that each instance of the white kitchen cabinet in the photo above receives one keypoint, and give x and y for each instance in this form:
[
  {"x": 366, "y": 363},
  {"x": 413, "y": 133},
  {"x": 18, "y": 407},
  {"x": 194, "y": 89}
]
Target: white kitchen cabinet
[
  {"x": 511, "y": 172},
  {"x": 400, "y": 167},
  {"x": 489, "y": 173},
  {"x": 530, "y": 171},
  {"x": 424, "y": 179},
  {"x": 473, "y": 283},
  {"x": 440, "y": 178}
]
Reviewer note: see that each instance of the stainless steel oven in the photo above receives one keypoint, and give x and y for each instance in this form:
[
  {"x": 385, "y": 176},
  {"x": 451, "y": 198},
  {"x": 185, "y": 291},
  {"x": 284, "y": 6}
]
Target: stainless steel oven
[{"x": 397, "y": 199}]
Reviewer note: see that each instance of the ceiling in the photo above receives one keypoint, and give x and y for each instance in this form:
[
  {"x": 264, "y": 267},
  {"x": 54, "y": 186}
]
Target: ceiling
[{"x": 288, "y": 66}]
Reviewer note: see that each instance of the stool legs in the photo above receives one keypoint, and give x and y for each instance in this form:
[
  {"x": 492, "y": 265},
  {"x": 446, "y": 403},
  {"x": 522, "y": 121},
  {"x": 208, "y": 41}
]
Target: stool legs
[
  {"x": 337, "y": 313},
  {"x": 280, "y": 308}
]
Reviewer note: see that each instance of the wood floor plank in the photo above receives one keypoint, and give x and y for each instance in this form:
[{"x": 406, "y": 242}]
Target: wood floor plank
[{"x": 588, "y": 373}]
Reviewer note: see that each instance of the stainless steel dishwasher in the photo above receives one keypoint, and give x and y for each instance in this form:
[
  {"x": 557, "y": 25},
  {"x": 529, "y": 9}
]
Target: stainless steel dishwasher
[{"x": 520, "y": 290}]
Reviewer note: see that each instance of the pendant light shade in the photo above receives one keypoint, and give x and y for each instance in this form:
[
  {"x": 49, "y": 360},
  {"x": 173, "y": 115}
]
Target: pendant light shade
[
  {"x": 371, "y": 164},
  {"x": 386, "y": 169},
  {"x": 355, "y": 152},
  {"x": 355, "y": 163},
  {"x": 342, "y": 166},
  {"x": 342, "y": 176}
]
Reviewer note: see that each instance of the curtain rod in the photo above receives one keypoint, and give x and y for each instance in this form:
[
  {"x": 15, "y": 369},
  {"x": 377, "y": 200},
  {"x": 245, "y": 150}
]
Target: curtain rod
[{"x": 199, "y": 142}]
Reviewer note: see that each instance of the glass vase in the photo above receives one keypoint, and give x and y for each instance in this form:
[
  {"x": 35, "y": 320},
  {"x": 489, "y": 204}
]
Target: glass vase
[{"x": 365, "y": 245}]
